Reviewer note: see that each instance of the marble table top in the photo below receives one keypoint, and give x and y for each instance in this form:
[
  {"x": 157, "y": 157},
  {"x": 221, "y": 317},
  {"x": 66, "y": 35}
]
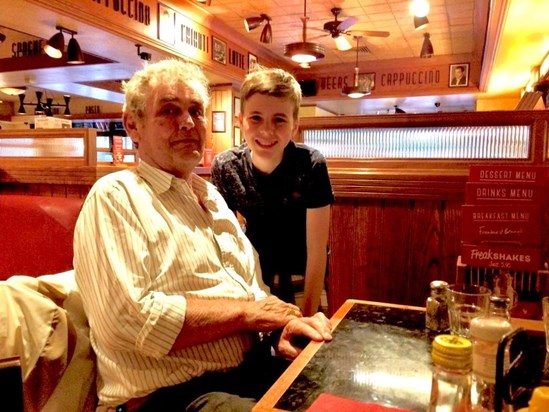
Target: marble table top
[{"x": 378, "y": 354}]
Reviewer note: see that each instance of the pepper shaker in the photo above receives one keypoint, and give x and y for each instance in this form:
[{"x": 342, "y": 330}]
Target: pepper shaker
[{"x": 436, "y": 307}]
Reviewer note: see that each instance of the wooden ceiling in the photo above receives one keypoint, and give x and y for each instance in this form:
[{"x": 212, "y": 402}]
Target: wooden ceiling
[{"x": 456, "y": 28}]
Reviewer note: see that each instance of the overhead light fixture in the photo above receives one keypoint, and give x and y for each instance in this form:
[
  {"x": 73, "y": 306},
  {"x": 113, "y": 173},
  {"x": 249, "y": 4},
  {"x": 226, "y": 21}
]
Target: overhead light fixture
[
  {"x": 420, "y": 22},
  {"x": 13, "y": 91},
  {"x": 74, "y": 53},
  {"x": 55, "y": 46},
  {"x": 21, "y": 104},
  {"x": 143, "y": 55},
  {"x": 252, "y": 23},
  {"x": 266, "y": 34},
  {"x": 427, "y": 47},
  {"x": 41, "y": 108},
  {"x": 67, "y": 99},
  {"x": 357, "y": 90},
  {"x": 342, "y": 43},
  {"x": 419, "y": 8},
  {"x": 304, "y": 52}
]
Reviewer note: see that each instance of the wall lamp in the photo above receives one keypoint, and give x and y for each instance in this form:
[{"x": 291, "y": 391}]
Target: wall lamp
[
  {"x": 43, "y": 108},
  {"x": 55, "y": 46},
  {"x": 251, "y": 23},
  {"x": 143, "y": 55}
]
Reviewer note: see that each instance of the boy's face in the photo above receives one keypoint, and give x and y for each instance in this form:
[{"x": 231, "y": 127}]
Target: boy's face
[{"x": 268, "y": 125}]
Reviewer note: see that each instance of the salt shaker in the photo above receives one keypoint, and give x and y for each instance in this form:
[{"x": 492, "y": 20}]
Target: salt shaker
[{"x": 436, "y": 307}]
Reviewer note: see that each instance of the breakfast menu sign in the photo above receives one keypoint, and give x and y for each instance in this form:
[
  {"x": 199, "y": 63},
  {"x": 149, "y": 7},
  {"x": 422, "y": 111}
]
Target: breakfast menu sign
[{"x": 503, "y": 219}]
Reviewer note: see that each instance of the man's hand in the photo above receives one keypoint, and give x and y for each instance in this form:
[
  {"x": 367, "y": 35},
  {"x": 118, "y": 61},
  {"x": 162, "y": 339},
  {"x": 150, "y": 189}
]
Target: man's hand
[
  {"x": 316, "y": 328},
  {"x": 269, "y": 314}
]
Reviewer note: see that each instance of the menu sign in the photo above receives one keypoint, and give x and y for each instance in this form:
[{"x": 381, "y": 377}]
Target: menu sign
[
  {"x": 508, "y": 174},
  {"x": 501, "y": 257},
  {"x": 516, "y": 225},
  {"x": 503, "y": 224}
]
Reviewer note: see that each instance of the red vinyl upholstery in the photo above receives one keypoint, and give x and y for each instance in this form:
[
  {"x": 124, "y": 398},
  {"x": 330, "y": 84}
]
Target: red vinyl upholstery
[{"x": 36, "y": 234}]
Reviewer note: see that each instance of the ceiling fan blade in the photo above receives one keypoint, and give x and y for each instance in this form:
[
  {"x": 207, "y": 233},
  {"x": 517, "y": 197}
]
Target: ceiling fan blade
[
  {"x": 347, "y": 23},
  {"x": 373, "y": 33},
  {"x": 320, "y": 36}
]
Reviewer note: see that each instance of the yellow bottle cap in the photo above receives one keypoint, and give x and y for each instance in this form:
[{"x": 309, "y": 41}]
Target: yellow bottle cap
[
  {"x": 451, "y": 351},
  {"x": 540, "y": 400}
]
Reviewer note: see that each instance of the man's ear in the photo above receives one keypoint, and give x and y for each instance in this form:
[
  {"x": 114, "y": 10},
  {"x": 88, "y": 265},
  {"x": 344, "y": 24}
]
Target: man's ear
[{"x": 130, "y": 125}]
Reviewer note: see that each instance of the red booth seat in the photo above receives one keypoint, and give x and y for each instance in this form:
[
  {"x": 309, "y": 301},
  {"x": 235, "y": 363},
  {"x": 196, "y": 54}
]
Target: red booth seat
[{"x": 36, "y": 234}]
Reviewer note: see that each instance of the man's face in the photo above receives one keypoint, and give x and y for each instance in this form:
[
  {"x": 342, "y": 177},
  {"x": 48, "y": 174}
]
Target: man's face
[
  {"x": 268, "y": 125},
  {"x": 172, "y": 133},
  {"x": 459, "y": 72}
]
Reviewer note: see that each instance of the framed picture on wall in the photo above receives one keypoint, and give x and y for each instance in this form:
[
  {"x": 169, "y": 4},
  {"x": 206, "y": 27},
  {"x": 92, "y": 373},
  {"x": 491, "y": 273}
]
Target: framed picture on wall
[
  {"x": 459, "y": 75},
  {"x": 166, "y": 25},
  {"x": 236, "y": 106},
  {"x": 218, "y": 122},
  {"x": 252, "y": 62},
  {"x": 237, "y": 139},
  {"x": 219, "y": 50},
  {"x": 367, "y": 80}
]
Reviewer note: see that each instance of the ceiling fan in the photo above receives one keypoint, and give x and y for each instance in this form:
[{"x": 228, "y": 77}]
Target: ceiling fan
[{"x": 338, "y": 29}]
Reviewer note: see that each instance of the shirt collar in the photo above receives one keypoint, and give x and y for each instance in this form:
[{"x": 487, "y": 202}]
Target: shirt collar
[{"x": 161, "y": 181}]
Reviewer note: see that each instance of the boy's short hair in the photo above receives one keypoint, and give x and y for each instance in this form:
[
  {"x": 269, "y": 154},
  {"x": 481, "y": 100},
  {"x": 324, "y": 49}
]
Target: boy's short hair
[{"x": 272, "y": 82}]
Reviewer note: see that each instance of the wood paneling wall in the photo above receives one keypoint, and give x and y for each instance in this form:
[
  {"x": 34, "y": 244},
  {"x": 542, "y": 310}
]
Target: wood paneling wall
[{"x": 396, "y": 223}]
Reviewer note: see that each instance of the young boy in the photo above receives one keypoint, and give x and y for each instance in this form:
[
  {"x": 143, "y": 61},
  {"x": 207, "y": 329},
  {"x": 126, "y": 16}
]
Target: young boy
[{"x": 280, "y": 187}]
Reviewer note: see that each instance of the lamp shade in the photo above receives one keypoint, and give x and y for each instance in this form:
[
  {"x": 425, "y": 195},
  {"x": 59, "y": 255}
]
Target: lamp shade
[
  {"x": 266, "y": 34},
  {"x": 427, "y": 47},
  {"x": 342, "y": 43},
  {"x": 251, "y": 23},
  {"x": 55, "y": 45},
  {"x": 304, "y": 52},
  {"x": 420, "y": 22},
  {"x": 74, "y": 53}
]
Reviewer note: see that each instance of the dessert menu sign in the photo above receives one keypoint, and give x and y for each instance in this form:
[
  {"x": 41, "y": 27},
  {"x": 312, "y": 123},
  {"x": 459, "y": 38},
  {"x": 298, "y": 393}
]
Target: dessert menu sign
[{"x": 503, "y": 223}]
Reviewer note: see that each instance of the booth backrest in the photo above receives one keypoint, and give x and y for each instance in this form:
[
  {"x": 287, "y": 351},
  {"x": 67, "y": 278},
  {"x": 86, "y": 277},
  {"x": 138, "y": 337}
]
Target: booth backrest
[{"x": 36, "y": 234}]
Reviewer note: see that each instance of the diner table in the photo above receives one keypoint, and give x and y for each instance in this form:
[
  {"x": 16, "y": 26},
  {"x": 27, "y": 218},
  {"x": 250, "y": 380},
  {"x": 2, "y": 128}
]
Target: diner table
[{"x": 380, "y": 355}]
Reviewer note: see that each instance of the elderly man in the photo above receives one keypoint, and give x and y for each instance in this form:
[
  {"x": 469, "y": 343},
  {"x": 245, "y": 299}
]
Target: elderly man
[{"x": 171, "y": 285}]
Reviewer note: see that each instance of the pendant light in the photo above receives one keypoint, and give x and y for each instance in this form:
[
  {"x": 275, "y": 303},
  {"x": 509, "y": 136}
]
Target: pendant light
[
  {"x": 304, "y": 52},
  {"x": 356, "y": 91},
  {"x": 427, "y": 47}
]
